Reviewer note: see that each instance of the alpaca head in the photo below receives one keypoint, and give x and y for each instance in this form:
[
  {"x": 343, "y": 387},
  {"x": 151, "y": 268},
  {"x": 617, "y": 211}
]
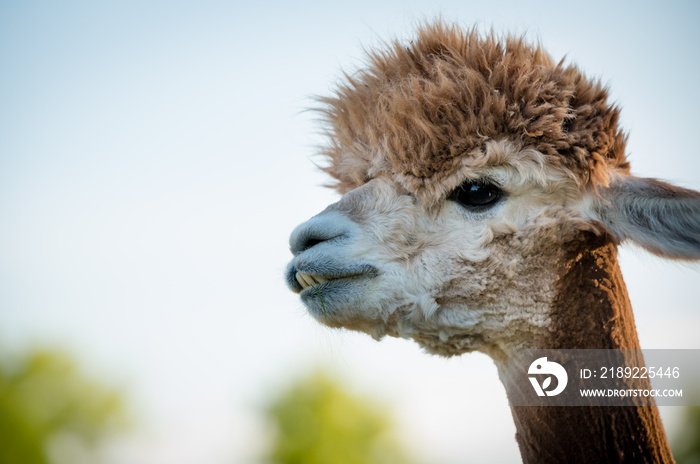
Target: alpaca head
[{"x": 468, "y": 165}]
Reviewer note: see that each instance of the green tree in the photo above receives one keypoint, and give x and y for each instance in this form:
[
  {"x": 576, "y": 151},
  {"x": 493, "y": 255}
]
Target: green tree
[
  {"x": 318, "y": 422},
  {"x": 686, "y": 445},
  {"x": 50, "y": 412}
]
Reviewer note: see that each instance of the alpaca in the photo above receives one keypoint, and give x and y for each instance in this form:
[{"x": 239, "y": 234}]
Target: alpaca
[{"x": 485, "y": 190}]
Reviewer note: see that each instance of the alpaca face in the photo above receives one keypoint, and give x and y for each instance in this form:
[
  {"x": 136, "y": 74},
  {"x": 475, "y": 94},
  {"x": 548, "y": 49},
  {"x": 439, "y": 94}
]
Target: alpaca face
[
  {"x": 400, "y": 255},
  {"x": 454, "y": 278}
]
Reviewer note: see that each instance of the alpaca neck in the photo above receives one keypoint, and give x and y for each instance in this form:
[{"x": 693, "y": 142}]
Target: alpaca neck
[{"x": 591, "y": 310}]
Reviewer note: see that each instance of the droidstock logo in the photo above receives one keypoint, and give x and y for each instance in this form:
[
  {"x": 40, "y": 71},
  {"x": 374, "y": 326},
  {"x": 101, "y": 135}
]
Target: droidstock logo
[{"x": 550, "y": 368}]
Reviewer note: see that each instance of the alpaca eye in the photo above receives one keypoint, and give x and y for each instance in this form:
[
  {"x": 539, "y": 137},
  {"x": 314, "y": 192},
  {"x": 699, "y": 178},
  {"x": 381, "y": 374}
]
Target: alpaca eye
[{"x": 476, "y": 194}]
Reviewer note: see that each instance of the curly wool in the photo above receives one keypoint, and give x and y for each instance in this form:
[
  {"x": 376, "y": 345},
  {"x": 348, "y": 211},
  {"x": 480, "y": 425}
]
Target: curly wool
[{"x": 422, "y": 113}]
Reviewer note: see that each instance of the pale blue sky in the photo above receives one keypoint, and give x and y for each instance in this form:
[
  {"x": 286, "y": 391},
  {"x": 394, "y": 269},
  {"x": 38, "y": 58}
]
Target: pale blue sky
[{"x": 154, "y": 157}]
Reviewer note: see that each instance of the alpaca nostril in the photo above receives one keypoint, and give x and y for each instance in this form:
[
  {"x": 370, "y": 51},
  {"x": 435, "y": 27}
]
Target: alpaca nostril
[
  {"x": 317, "y": 230},
  {"x": 312, "y": 242},
  {"x": 309, "y": 237}
]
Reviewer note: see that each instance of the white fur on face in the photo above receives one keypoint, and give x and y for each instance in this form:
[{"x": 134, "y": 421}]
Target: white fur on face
[{"x": 455, "y": 279}]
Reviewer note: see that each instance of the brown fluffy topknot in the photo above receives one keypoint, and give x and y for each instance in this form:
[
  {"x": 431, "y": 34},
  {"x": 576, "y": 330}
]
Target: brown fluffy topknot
[{"x": 419, "y": 112}]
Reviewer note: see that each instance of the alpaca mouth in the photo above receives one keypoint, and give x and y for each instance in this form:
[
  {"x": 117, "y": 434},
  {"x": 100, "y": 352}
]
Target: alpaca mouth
[
  {"x": 328, "y": 294},
  {"x": 315, "y": 281},
  {"x": 310, "y": 280}
]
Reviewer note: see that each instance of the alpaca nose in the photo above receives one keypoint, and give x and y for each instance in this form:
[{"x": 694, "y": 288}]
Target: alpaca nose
[{"x": 319, "y": 229}]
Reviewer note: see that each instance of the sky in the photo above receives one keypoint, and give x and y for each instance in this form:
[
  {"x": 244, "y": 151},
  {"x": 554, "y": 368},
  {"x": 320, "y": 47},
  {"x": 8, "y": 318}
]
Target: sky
[{"x": 154, "y": 157}]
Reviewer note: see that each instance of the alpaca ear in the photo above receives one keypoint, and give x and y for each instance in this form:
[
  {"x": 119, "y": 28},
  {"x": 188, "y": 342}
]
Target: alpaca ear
[{"x": 660, "y": 217}]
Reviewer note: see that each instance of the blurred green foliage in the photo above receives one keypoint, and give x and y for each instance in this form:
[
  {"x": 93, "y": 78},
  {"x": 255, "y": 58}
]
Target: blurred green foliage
[
  {"x": 319, "y": 422},
  {"x": 50, "y": 412},
  {"x": 686, "y": 445}
]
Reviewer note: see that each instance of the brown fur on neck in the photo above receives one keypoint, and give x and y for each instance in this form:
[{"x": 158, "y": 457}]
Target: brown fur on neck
[{"x": 591, "y": 311}]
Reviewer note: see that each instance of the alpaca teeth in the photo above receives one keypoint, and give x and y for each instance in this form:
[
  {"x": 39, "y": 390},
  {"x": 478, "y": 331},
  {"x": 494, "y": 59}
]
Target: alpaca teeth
[
  {"x": 310, "y": 279},
  {"x": 300, "y": 279},
  {"x": 307, "y": 280}
]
